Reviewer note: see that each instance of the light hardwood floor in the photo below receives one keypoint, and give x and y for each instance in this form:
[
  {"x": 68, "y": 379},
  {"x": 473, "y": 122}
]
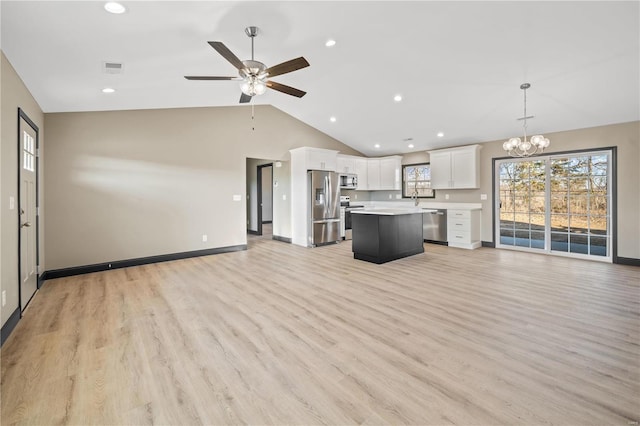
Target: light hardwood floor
[{"x": 280, "y": 334}]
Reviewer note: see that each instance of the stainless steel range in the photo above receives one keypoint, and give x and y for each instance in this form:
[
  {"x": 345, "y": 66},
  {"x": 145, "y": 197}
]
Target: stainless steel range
[{"x": 345, "y": 215}]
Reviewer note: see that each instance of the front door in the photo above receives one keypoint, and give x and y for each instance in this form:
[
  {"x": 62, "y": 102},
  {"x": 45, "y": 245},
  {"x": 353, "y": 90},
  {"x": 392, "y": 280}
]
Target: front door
[{"x": 28, "y": 138}]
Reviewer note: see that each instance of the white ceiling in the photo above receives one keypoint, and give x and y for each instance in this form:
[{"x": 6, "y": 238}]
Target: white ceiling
[{"x": 458, "y": 65}]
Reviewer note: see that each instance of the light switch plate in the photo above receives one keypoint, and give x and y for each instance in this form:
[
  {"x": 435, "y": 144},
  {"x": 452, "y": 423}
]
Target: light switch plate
[
  {"x": 446, "y": 196},
  {"x": 483, "y": 196},
  {"x": 237, "y": 197},
  {"x": 12, "y": 203},
  {"x": 284, "y": 197}
]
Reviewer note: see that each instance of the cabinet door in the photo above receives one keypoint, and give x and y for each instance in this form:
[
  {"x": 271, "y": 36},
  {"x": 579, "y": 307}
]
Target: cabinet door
[
  {"x": 440, "y": 170},
  {"x": 373, "y": 172},
  {"x": 390, "y": 174},
  {"x": 346, "y": 164},
  {"x": 320, "y": 159},
  {"x": 362, "y": 172},
  {"x": 463, "y": 169}
]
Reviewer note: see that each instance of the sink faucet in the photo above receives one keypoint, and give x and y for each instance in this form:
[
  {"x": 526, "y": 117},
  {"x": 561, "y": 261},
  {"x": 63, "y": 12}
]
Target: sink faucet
[{"x": 414, "y": 197}]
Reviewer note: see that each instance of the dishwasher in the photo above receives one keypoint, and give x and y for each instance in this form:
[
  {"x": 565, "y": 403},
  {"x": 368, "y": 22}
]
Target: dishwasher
[{"x": 434, "y": 226}]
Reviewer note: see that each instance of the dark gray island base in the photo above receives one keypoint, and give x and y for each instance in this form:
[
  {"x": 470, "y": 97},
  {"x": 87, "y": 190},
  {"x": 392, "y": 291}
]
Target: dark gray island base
[{"x": 380, "y": 236}]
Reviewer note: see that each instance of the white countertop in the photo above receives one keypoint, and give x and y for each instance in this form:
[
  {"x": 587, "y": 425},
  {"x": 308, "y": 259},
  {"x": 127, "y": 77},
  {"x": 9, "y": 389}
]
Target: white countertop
[{"x": 389, "y": 212}]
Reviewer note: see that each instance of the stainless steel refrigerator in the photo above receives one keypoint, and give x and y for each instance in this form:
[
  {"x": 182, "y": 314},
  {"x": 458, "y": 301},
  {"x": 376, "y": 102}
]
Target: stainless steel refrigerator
[{"x": 324, "y": 207}]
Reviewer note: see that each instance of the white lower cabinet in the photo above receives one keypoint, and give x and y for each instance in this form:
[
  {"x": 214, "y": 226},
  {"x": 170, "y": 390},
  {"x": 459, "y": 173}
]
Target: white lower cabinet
[{"x": 463, "y": 229}]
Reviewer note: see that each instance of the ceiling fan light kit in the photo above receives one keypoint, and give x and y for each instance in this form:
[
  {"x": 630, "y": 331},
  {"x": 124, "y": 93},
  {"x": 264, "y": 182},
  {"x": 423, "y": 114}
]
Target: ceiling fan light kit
[
  {"x": 254, "y": 74},
  {"x": 517, "y": 147}
]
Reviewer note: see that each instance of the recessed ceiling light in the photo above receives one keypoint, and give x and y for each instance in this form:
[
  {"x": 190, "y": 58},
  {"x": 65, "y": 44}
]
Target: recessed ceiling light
[
  {"x": 397, "y": 98},
  {"x": 332, "y": 119},
  {"x": 114, "y": 7},
  {"x": 440, "y": 134},
  {"x": 330, "y": 43},
  {"x": 410, "y": 145},
  {"x": 108, "y": 90},
  {"x": 377, "y": 145}
]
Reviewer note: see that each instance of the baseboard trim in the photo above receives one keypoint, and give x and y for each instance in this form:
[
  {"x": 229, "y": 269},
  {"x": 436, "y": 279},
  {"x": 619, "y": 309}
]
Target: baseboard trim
[
  {"x": 252, "y": 232},
  {"x": 627, "y": 261},
  {"x": 8, "y": 326},
  {"x": 41, "y": 279},
  {"x": 490, "y": 244},
  {"x": 98, "y": 267},
  {"x": 283, "y": 239},
  {"x": 267, "y": 221}
]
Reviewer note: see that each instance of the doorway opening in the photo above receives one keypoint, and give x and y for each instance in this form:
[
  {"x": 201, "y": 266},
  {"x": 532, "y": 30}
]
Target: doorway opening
[{"x": 265, "y": 199}]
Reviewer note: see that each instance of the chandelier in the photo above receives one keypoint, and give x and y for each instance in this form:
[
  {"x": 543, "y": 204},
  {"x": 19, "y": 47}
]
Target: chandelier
[{"x": 517, "y": 147}]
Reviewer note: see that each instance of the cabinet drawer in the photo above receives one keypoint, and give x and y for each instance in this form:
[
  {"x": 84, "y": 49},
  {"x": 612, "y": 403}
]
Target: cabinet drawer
[
  {"x": 459, "y": 214},
  {"x": 459, "y": 224},
  {"x": 456, "y": 236}
]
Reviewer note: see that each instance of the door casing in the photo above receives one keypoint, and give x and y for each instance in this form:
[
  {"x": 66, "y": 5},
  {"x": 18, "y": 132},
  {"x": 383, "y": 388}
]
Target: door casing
[
  {"x": 23, "y": 117},
  {"x": 495, "y": 208}
]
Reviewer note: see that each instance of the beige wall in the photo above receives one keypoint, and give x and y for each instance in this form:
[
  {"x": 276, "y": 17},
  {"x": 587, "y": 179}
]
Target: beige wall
[
  {"x": 625, "y": 136},
  {"x": 129, "y": 184},
  {"x": 14, "y": 95},
  {"x": 282, "y": 200}
]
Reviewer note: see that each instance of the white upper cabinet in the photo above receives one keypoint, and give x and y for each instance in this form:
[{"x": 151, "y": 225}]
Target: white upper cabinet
[
  {"x": 390, "y": 169},
  {"x": 320, "y": 159},
  {"x": 384, "y": 173},
  {"x": 346, "y": 164},
  {"x": 373, "y": 174},
  {"x": 362, "y": 170},
  {"x": 455, "y": 168}
]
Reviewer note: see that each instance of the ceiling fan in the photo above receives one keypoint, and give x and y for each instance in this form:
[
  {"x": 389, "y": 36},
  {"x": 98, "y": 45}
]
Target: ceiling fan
[{"x": 254, "y": 74}]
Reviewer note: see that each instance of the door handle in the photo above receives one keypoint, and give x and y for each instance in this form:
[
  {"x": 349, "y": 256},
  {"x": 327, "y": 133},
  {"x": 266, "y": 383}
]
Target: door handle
[{"x": 25, "y": 225}]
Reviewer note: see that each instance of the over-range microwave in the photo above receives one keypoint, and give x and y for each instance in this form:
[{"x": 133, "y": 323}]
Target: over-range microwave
[{"x": 348, "y": 181}]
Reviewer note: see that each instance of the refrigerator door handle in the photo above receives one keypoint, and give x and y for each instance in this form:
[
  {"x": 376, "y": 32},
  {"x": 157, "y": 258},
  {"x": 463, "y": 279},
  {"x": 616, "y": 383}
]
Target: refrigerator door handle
[{"x": 326, "y": 221}]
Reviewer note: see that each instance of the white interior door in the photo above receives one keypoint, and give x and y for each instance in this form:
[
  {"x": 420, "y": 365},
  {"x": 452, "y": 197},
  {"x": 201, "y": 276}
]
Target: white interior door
[{"x": 28, "y": 219}]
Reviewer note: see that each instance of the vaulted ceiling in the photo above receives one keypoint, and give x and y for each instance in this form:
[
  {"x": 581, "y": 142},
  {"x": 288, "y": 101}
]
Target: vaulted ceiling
[{"x": 457, "y": 65}]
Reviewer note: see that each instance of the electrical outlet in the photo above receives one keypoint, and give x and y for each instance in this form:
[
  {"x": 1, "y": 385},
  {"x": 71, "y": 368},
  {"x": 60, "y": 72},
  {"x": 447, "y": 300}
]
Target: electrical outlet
[
  {"x": 204, "y": 238},
  {"x": 390, "y": 196},
  {"x": 4, "y": 297},
  {"x": 356, "y": 195}
]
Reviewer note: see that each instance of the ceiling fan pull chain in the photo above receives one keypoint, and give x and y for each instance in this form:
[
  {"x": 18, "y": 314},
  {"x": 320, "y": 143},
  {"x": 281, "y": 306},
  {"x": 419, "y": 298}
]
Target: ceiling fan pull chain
[{"x": 253, "y": 125}]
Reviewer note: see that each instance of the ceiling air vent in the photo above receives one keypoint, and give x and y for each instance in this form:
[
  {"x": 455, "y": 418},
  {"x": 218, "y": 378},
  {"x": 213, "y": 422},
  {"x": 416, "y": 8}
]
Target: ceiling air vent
[{"x": 112, "y": 67}]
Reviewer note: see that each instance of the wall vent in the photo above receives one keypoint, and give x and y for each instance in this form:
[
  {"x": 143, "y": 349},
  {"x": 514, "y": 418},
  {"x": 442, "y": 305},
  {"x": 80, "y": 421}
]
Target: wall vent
[{"x": 112, "y": 67}]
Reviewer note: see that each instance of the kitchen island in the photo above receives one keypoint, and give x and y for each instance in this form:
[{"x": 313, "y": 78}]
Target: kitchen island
[{"x": 383, "y": 235}]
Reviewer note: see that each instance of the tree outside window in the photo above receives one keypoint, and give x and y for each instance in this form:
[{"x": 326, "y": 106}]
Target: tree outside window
[{"x": 416, "y": 181}]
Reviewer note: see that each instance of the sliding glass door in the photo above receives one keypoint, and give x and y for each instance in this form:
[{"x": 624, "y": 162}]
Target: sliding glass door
[{"x": 556, "y": 204}]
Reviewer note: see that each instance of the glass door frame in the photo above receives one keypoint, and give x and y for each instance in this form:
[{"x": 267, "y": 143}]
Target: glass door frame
[{"x": 612, "y": 214}]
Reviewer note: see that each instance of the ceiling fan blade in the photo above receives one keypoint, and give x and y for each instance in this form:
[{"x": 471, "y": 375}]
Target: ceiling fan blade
[
  {"x": 204, "y": 77},
  {"x": 285, "y": 67},
  {"x": 227, "y": 54},
  {"x": 244, "y": 98},
  {"x": 285, "y": 89}
]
